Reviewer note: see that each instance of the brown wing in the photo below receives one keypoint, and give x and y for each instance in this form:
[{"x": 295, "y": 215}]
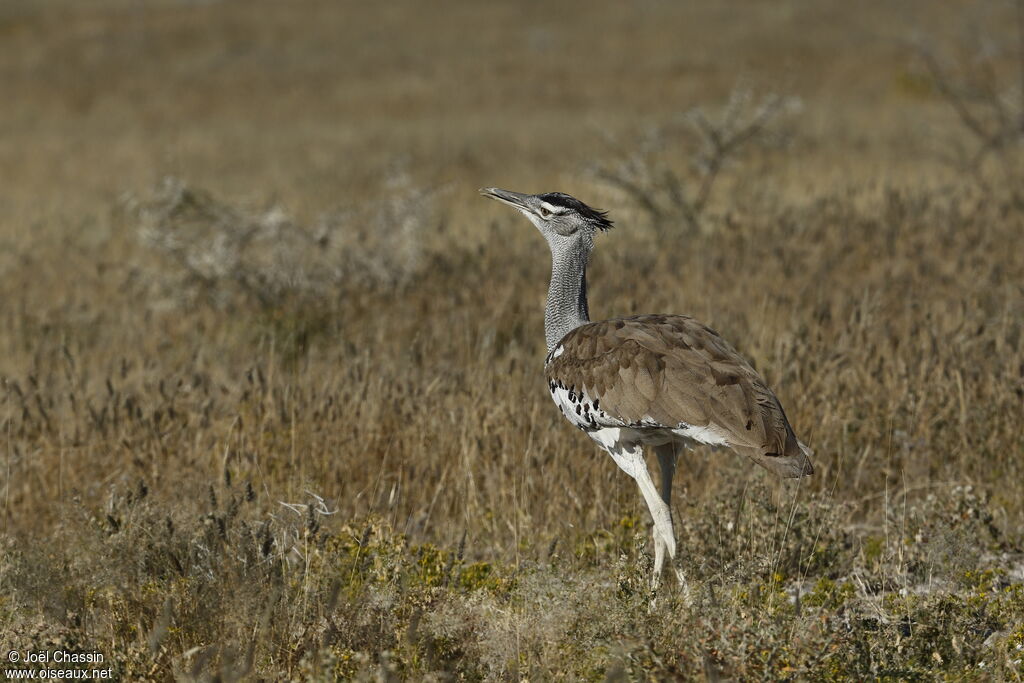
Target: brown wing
[{"x": 670, "y": 370}]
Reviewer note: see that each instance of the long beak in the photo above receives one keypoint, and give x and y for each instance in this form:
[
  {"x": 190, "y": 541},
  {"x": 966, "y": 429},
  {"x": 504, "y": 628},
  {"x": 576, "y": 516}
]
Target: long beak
[{"x": 516, "y": 200}]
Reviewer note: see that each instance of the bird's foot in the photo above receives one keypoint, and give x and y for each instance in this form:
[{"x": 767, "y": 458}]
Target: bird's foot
[{"x": 684, "y": 586}]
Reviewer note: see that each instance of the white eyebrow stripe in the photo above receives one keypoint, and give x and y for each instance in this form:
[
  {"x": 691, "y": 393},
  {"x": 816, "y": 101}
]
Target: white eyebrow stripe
[{"x": 552, "y": 208}]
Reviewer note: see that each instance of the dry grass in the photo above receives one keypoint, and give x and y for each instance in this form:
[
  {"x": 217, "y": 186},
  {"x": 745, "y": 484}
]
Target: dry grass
[{"x": 282, "y": 416}]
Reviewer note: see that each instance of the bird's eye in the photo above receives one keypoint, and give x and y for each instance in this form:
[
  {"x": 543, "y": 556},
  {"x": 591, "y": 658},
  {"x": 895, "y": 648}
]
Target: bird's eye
[{"x": 544, "y": 212}]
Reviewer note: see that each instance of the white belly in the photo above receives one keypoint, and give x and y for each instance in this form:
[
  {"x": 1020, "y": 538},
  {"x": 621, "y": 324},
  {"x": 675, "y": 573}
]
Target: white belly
[{"x": 615, "y": 439}]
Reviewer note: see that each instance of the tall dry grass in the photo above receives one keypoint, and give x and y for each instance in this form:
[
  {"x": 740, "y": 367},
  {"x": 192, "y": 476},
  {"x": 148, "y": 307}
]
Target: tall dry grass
[{"x": 282, "y": 415}]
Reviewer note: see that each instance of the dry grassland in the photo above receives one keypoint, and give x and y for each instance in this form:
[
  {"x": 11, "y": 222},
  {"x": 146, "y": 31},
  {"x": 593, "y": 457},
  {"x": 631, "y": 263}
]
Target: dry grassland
[{"x": 271, "y": 401}]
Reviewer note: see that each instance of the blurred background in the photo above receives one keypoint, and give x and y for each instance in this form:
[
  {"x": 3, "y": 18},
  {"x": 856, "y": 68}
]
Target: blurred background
[
  {"x": 270, "y": 369},
  {"x": 310, "y": 102}
]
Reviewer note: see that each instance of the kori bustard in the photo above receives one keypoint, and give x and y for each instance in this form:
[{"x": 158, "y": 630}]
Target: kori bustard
[{"x": 663, "y": 381}]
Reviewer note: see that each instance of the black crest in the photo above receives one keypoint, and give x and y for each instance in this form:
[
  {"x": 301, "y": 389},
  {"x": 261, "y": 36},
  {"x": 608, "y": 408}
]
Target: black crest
[{"x": 600, "y": 218}]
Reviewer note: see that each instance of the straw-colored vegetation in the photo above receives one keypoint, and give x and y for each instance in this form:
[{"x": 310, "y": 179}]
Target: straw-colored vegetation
[{"x": 270, "y": 389}]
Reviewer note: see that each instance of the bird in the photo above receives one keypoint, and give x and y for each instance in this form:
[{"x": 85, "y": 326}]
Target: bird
[{"x": 661, "y": 381}]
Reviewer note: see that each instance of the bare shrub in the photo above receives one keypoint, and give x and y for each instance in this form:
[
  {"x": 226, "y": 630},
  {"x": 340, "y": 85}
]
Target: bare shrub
[
  {"x": 672, "y": 170},
  {"x": 981, "y": 78},
  {"x": 218, "y": 252}
]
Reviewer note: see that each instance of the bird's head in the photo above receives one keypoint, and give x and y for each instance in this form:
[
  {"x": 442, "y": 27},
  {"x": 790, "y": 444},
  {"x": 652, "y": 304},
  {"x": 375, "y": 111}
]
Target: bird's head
[{"x": 562, "y": 219}]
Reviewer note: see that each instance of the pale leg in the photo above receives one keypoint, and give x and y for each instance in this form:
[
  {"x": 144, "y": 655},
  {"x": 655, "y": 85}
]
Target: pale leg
[
  {"x": 667, "y": 457},
  {"x": 667, "y": 461},
  {"x": 630, "y": 458},
  {"x": 659, "y": 557}
]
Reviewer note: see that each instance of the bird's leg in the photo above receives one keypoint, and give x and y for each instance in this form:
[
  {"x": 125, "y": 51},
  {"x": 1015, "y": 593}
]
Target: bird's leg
[
  {"x": 659, "y": 561},
  {"x": 667, "y": 462},
  {"x": 667, "y": 457},
  {"x": 630, "y": 459},
  {"x": 659, "y": 558}
]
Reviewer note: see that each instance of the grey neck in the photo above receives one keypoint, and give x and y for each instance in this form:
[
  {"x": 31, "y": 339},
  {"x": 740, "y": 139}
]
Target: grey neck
[{"x": 567, "y": 294}]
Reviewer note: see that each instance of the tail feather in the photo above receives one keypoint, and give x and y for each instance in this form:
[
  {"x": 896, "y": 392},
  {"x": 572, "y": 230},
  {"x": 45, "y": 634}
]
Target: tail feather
[{"x": 790, "y": 466}]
